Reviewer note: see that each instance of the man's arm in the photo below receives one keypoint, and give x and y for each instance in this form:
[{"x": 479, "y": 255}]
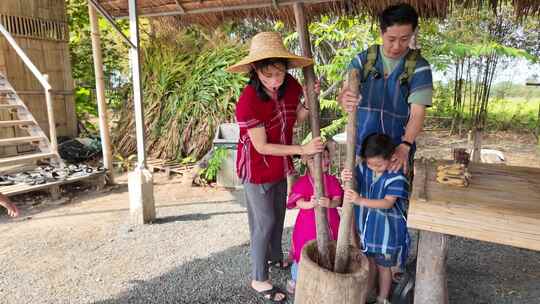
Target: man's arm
[
  {"x": 416, "y": 122},
  {"x": 400, "y": 159}
]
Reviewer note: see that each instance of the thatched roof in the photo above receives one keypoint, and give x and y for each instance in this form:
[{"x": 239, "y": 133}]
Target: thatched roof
[{"x": 213, "y": 12}]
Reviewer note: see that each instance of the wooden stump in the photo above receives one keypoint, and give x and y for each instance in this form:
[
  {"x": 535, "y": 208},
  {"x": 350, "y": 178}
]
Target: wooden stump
[
  {"x": 55, "y": 192},
  {"x": 319, "y": 285},
  {"x": 431, "y": 286}
]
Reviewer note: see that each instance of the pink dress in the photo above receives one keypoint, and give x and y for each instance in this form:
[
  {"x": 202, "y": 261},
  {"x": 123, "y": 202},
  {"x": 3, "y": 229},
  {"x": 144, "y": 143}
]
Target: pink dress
[{"x": 304, "y": 227}]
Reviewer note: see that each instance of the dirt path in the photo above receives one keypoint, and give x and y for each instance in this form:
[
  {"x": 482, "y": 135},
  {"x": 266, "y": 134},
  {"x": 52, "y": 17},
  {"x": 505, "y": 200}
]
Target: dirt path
[
  {"x": 519, "y": 149},
  {"x": 197, "y": 252}
]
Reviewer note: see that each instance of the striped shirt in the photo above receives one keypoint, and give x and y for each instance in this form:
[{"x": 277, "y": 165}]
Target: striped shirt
[
  {"x": 382, "y": 231},
  {"x": 278, "y": 119},
  {"x": 385, "y": 107},
  {"x": 423, "y": 96}
]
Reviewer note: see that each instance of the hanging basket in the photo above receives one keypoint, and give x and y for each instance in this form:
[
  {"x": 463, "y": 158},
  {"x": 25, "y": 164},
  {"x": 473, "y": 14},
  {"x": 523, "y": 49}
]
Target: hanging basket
[{"x": 319, "y": 285}]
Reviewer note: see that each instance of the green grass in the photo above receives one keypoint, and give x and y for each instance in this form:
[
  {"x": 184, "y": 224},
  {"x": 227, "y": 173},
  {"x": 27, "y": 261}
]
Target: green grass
[{"x": 513, "y": 114}]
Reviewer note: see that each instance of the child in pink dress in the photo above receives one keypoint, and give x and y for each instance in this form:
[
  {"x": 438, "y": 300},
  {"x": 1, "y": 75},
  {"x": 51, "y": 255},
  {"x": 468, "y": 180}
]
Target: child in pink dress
[{"x": 302, "y": 196}]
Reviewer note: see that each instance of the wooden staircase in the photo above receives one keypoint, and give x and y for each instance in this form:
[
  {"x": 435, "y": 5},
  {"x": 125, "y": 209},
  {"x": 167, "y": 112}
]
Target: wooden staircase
[{"x": 10, "y": 102}]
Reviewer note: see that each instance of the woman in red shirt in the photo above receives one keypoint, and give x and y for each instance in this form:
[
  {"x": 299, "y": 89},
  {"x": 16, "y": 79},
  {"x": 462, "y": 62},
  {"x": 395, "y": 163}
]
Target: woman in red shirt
[{"x": 266, "y": 112}]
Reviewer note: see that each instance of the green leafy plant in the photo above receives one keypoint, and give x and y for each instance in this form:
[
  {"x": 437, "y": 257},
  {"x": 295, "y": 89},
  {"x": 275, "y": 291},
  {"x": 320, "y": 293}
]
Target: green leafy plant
[
  {"x": 214, "y": 164},
  {"x": 187, "y": 93},
  {"x": 125, "y": 164},
  {"x": 85, "y": 109}
]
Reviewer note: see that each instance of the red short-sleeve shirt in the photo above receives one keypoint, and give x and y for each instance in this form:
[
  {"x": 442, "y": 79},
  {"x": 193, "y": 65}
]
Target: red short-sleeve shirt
[{"x": 278, "y": 118}]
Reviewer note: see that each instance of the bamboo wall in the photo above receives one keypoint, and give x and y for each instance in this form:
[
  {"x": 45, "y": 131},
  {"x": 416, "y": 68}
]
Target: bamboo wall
[{"x": 40, "y": 28}]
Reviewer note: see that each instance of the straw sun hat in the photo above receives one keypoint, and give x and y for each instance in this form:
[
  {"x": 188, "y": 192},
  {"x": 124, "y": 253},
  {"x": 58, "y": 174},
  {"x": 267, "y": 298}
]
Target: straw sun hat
[{"x": 268, "y": 45}]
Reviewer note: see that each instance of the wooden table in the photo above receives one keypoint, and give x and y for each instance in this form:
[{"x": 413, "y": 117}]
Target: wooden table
[{"x": 501, "y": 205}]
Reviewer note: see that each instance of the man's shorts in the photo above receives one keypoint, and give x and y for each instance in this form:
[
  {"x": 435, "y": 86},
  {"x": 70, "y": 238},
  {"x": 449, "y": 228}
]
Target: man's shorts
[{"x": 384, "y": 260}]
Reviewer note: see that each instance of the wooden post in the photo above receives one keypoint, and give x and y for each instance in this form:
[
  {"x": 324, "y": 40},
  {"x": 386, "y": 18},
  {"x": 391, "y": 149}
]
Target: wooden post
[
  {"x": 343, "y": 241},
  {"x": 431, "y": 285},
  {"x": 137, "y": 90},
  {"x": 477, "y": 146},
  {"x": 100, "y": 92},
  {"x": 55, "y": 192},
  {"x": 50, "y": 116},
  {"x": 538, "y": 127},
  {"x": 323, "y": 239}
]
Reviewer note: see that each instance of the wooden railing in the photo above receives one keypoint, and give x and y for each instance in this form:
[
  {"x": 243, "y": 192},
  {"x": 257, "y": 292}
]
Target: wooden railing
[
  {"x": 35, "y": 28},
  {"x": 43, "y": 80}
]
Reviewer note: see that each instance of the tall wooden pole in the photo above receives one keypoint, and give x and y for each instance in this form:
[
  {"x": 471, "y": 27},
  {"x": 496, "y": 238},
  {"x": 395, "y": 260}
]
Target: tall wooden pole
[
  {"x": 100, "y": 93},
  {"x": 135, "y": 59},
  {"x": 323, "y": 239},
  {"x": 140, "y": 181},
  {"x": 343, "y": 241}
]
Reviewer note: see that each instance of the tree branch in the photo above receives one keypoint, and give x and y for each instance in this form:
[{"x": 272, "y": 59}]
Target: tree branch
[{"x": 329, "y": 90}]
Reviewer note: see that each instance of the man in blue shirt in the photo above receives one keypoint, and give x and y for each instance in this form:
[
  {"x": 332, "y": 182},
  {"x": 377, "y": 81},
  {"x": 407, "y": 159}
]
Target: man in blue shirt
[{"x": 393, "y": 96}]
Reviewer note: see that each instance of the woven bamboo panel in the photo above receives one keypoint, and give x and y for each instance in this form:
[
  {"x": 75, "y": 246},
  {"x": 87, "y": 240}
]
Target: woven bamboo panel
[
  {"x": 501, "y": 204},
  {"x": 40, "y": 28}
]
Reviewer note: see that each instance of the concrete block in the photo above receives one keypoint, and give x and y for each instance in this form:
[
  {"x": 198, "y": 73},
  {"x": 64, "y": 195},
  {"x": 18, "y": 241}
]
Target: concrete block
[{"x": 141, "y": 196}]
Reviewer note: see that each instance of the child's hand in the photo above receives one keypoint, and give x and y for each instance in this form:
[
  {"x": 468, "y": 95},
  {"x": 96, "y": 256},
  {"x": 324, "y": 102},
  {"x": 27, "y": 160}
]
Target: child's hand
[
  {"x": 346, "y": 175},
  {"x": 313, "y": 202},
  {"x": 12, "y": 210},
  {"x": 325, "y": 202},
  {"x": 351, "y": 196}
]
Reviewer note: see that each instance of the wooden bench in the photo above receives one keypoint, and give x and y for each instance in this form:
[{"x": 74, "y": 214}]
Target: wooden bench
[
  {"x": 98, "y": 178},
  {"x": 501, "y": 205},
  {"x": 168, "y": 166}
]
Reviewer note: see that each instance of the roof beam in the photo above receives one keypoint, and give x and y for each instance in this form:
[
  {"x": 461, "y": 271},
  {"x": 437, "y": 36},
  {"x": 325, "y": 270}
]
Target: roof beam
[
  {"x": 180, "y": 8},
  {"x": 217, "y": 9},
  {"x": 111, "y": 21}
]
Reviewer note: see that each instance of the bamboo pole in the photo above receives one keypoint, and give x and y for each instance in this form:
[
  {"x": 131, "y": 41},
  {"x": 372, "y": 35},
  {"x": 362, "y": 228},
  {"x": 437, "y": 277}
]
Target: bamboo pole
[
  {"x": 323, "y": 239},
  {"x": 343, "y": 241},
  {"x": 100, "y": 92}
]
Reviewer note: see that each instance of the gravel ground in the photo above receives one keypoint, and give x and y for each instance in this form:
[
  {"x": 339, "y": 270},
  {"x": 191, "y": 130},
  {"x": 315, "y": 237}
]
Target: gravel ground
[
  {"x": 197, "y": 252},
  {"x": 83, "y": 251}
]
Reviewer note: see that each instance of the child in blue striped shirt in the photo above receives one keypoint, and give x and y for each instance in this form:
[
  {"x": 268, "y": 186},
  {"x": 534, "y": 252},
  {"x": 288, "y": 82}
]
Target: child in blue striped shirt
[{"x": 379, "y": 210}]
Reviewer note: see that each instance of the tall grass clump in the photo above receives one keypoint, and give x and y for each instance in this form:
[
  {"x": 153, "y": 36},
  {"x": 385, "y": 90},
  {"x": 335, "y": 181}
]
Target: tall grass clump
[{"x": 187, "y": 94}]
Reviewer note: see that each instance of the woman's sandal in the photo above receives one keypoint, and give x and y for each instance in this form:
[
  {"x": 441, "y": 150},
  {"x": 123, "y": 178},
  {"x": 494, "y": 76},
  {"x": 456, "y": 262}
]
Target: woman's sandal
[
  {"x": 282, "y": 265},
  {"x": 271, "y": 295}
]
